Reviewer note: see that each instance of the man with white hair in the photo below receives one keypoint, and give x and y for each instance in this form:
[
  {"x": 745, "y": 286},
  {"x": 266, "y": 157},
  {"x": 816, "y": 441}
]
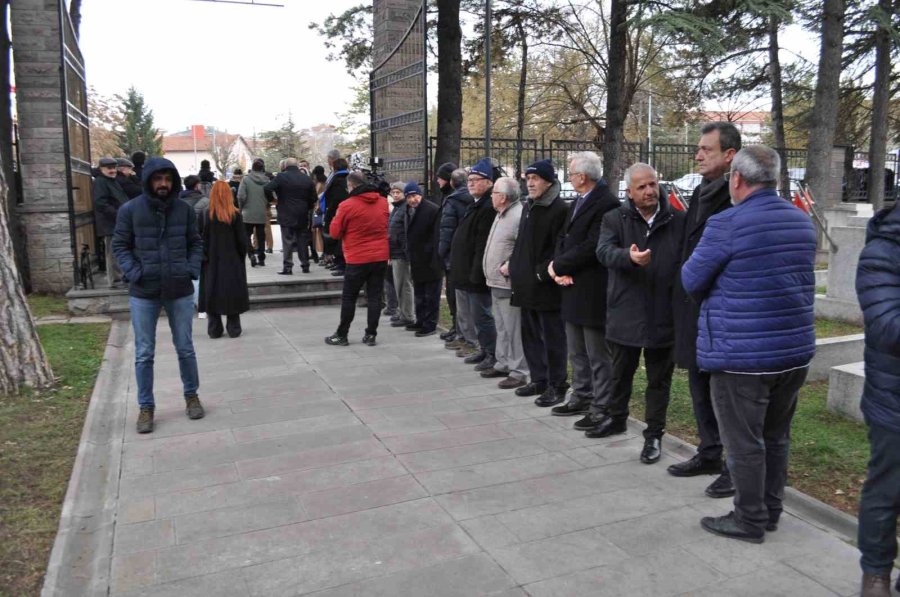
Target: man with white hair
[
  {"x": 639, "y": 244},
  {"x": 510, "y": 360},
  {"x": 583, "y": 287},
  {"x": 753, "y": 273}
]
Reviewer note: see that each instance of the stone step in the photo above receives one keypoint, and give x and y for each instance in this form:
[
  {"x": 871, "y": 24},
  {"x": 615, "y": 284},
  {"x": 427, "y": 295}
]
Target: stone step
[
  {"x": 295, "y": 284},
  {"x": 845, "y": 388},
  {"x": 297, "y": 299},
  {"x": 833, "y": 352}
]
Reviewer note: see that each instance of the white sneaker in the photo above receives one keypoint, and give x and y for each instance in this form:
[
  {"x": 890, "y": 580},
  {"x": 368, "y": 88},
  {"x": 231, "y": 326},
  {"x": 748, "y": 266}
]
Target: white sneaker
[{"x": 202, "y": 315}]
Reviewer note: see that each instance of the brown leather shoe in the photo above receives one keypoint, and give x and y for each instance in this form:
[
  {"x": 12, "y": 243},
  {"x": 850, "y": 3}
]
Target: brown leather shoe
[
  {"x": 876, "y": 585},
  {"x": 511, "y": 383}
]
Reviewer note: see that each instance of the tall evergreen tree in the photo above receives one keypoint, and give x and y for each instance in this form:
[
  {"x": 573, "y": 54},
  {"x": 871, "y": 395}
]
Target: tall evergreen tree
[{"x": 137, "y": 123}]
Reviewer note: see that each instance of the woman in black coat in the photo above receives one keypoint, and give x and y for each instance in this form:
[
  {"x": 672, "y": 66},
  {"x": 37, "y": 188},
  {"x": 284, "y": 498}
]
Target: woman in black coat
[{"x": 223, "y": 277}]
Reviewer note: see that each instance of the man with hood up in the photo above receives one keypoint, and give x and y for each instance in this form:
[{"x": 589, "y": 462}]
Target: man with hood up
[
  {"x": 251, "y": 196},
  {"x": 361, "y": 224},
  {"x": 157, "y": 245}
]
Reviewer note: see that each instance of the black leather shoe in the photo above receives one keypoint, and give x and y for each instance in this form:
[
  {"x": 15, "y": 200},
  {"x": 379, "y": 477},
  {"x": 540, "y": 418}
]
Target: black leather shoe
[
  {"x": 695, "y": 466},
  {"x": 305, "y": 269},
  {"x": 588, "y": 422},
  {"x": 606, "y": 427},
  {"x": 336, "y": 340},
  {"x": 531, "y": 389},
  {"x": 413, "y": 327},
  {"x": 487, "y": 363},
  {"x": 572, "y": 407},
  {"x": 421, "y": 333},
  {"x": 475, "y": 358},
  {"x": 488, "y": 373},
  {"x": 727, "y": 526},
  {"x": 369, "y": 340},
  {"x": 651, "y": 452},
  {"x": 772, "y": 526},
  {"x": 551, "y": 396},
  {"x": 400, "y": 323},
  {"x": 722, "y": 487},
  {"x": 337, "y": 273},
  {"x": 448, "y": 335},
  {"x": 285, "y": 272}
]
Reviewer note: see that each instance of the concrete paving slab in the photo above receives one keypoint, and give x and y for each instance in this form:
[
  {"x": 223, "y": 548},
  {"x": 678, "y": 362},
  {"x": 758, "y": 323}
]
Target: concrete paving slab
[{"x": 395, "y": 470}]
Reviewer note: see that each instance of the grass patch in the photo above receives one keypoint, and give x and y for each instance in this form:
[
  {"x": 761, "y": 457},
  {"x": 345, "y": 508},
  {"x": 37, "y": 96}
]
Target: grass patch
[
  {"x": 444, "y": 318},
  {"x": 44, "y": 305},
  {"x": 821, "y": 290},
  {"x": 829, "y": 453},
  {"x": 830, "y": 328},
  {"x": 39, "y": 435}
]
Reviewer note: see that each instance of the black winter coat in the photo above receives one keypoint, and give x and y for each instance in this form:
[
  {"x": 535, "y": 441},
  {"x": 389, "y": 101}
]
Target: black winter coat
[
  {"x": 108, "y": 198},
  {"x": 467, "y": 248},
  {"x": 878, "y": 288},
  {"x": 539, "y": 228},
  {"x": 584, "y": 303},
  {"x": 639, "y": 299},
  {"x": 421, "y": 239},
  {"x": 156, "y": 242},
  {"x": 686, "y": 309},
  {"x": 296, "y": 197},
  {"x": 335, "y": 194},
  {"x": 130, "y": 184},
  {"x": 397, "y": 231},
  {"x": 452, "y": 212},
  {"x": 223, "y": 279}
]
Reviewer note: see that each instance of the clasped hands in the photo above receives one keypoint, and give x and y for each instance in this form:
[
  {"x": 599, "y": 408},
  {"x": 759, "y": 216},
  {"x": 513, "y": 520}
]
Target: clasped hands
[{"x": 561, "y": 280}]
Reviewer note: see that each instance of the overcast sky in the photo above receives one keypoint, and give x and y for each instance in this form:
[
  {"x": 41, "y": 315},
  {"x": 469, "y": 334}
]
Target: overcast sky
[{"x": 230, "y": 66}]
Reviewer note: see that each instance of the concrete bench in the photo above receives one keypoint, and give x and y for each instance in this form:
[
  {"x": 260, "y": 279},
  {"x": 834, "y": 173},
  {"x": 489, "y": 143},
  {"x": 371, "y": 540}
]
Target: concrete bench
[{"x": 845, "y": 388}]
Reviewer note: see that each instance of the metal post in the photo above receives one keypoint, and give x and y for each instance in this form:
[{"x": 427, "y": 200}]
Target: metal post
[
  {"x": 487, "y": 78},
  {"x": 424, "y": 24},
  {"x": 650, "y": 126}
]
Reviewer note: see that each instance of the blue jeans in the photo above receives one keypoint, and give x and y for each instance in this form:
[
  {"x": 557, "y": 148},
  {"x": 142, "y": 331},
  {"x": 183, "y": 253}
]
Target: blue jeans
[
  {"x": 144, "y": 315},
  {"x": 879, "y": 506}
]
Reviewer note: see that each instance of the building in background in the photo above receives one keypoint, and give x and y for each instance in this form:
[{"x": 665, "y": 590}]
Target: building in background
[{"x": 225, "y": 151}]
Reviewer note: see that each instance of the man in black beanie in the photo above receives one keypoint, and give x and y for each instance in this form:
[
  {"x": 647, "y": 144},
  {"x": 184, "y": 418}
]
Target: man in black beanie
[{"x": 443, "y": 175}]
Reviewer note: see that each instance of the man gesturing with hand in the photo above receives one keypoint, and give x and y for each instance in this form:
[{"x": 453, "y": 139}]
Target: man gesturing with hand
[{"x": 639, "y": 246}]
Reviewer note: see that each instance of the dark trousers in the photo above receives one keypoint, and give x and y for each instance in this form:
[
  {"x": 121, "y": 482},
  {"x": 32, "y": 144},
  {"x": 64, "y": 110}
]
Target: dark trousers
[
  {"x": 754, "y": 414},
  {"x": 295, "y": 239},
  {"x": 478, "y": 306},
  {"x": 428, "y": 302},
  {"x": 451, "y": 297},
  {"x": 390, "y": 293},
  {"x": 232, "y": 325},
  {"x": 544, "y": 345},
  {"x": 710, "y": 447},
  {"x": 372, "y": 276},
  {"x": 260, "y": 231},
  {"x": 339, "y": 261},
  {"x": 879, "y": 506},
  {"x": 625, "y": 361}
]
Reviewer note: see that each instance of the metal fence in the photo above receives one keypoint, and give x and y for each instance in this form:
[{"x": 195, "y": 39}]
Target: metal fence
[{"x": 856, "y": 176}]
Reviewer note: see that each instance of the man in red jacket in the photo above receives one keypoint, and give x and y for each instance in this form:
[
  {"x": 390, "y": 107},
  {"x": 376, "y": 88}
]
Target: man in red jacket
[{"x": 361, "y": 223}]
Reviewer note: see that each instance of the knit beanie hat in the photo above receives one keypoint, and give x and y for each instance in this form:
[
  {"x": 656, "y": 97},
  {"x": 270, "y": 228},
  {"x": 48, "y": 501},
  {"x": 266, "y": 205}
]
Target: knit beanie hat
[
  {"x": 445, "y": 170},
  {"x": 544, "y": 169},
  {"x": 411, "y": 188},
  {"x": 484, "y": 168}
]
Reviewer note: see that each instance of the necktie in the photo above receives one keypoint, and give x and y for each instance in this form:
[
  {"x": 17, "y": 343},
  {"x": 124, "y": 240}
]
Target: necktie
[{"x": 579, "y": 201}]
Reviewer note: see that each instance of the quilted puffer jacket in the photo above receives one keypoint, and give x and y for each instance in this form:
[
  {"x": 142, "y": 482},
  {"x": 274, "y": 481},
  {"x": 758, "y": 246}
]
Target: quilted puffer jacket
[
  {"x": 878, "y": 288},
  {"x": 753, "y": 272}
]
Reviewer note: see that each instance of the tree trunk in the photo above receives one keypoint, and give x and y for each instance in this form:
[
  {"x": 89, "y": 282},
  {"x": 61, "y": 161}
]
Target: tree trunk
[
  {"x": 880, "y": 99},
  {"x": 824, "y": 113},
  {"x": 75, "y": 15},
  {"x": 614, "y": 135},
  {"x": 449, "y": 117},
  {"x": 520, "y": 115},
  {"x": 22, "y": 358},
  {"x": 777, "y": 104}
]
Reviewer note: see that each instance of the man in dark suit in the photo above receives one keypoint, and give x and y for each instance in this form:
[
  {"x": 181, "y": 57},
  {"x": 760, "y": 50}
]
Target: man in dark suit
[
  {"x": 296, "y": 195},
  {"x": 422, "y": 218},
  {"x": 719, "y": 142},
  {"x": 583, "y": 280}
]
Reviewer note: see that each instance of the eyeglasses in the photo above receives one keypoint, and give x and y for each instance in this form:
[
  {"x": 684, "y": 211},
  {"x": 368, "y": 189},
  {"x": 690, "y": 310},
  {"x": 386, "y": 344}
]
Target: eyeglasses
[{"x": 475, "y": 178}]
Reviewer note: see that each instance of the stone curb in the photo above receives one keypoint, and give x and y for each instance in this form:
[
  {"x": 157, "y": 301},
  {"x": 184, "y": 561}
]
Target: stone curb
[
  {"x": 799, "y": 504},
  {"x": 80, "y": 560}
]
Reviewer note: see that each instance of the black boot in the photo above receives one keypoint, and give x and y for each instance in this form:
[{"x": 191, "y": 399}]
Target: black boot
[
  {"x": 214, "y": 325},
  {"x": 253, "y": 261},
  {"x": 287, "y": 271},
  {"x": 233, "y": 325}
]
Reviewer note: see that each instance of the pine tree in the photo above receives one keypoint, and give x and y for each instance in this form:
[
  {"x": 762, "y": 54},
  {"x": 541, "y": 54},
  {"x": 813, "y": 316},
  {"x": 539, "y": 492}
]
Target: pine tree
[{"x": 137, "y": 122}]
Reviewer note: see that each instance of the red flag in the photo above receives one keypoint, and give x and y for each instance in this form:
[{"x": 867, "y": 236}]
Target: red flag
[
  {"x": 674, "y": 202},
  {"x": 800, "y": 203}
]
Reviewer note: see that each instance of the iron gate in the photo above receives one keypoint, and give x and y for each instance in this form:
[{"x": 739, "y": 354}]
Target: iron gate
[{"x": 397, "y": 92}]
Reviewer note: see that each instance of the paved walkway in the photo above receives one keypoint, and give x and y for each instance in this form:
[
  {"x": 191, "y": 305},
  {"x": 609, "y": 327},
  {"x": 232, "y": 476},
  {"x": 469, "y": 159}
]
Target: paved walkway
[{"x": 396, "y": 470}]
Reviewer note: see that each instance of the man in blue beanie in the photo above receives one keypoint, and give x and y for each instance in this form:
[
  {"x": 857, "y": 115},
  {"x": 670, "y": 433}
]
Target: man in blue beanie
[{"x": 473, "y": 297}]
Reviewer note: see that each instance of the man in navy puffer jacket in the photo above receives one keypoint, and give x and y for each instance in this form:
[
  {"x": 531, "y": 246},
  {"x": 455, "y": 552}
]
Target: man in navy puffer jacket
[
  {"x": 878, "y": 287},
  {"x": 753, "y": 272},
  {"x": 159, "y": 250}
]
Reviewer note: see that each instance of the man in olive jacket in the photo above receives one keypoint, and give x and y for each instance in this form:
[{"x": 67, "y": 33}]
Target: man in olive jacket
[
  {"x": 533, "y": 288},
  {"x": 719, "y": 142},
  {"x": 639, "y": 246},
  {"x": 583, "y": 282}
]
